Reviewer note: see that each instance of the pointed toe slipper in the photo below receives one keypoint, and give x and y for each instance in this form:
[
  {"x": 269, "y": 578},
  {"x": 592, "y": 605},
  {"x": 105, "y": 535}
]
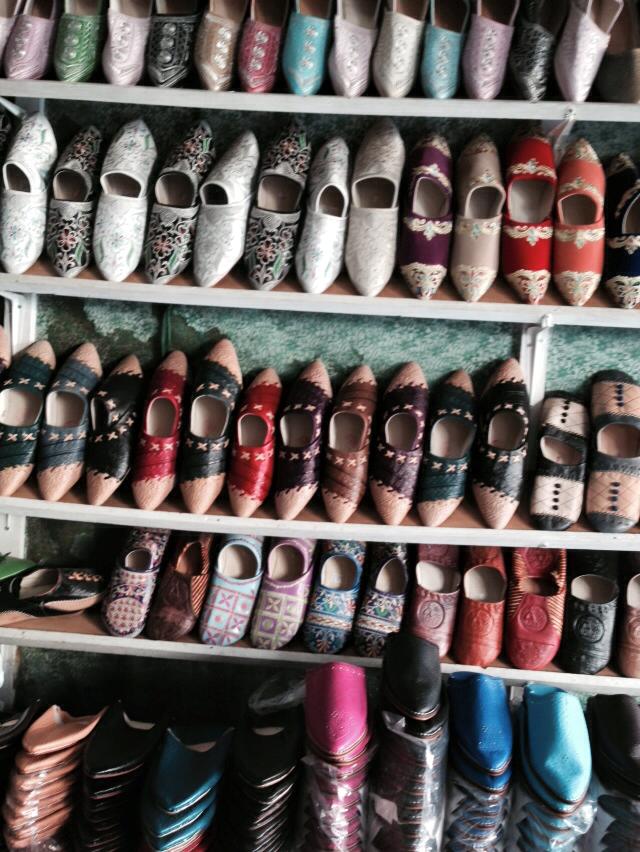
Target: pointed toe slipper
[{"x": 622, "y": 257}]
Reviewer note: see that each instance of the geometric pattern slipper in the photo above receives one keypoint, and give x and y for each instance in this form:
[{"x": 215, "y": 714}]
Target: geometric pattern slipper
[
  {"x": 206, "y": 440},
  {"x": 63, "y": 435},
  {"x": 23, "y": 390}
]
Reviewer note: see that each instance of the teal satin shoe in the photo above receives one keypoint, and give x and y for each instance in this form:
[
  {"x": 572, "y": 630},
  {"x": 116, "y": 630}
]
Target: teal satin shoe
[
  {"x": 442, "y": 51},
  {"x": 159, "y": 824},
  {"x": 184, "y": 836},
  {"x": 304, "y": 56}
]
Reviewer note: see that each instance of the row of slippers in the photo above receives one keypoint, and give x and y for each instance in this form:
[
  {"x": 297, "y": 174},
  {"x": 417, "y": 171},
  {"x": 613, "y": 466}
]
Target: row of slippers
[
  {"x": 166, "y": 38},
  {"x": 553, "y": 224}
]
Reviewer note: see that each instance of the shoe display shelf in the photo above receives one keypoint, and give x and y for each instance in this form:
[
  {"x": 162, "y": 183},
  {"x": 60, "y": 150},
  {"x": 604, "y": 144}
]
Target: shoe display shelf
[{"x": 20, "y": 292}]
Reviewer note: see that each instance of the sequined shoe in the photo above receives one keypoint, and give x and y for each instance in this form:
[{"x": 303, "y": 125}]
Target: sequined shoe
[
  {"x": 128, "y": 23},
  {"x": 77, "y": 48},
  {"x": 484, "y": 62},
  {"x": 355, "y": 31},
  {"x": 397, "y": 54},
  {"x": 171, "y": 40},
  {"x": 217, "y": 41},
  {"x": 29, "y": 48},
  {"x": 537, "y": 28},
  {"x": 260, "y": 44},
  {"x": 304, "y": 55},
  {"x": 443, "y": 42}
]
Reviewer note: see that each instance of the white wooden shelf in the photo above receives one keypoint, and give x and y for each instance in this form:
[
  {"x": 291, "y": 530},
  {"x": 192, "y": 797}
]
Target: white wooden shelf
[{"x": 321, "y": 104}]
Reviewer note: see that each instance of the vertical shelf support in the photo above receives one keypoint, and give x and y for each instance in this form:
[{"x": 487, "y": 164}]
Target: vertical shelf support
[{"x": 534, "y": 351}]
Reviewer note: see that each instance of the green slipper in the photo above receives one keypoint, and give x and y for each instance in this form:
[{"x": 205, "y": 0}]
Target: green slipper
[
  {"x": 78, "y": 43},
  {"x": 10, "y": 566}
]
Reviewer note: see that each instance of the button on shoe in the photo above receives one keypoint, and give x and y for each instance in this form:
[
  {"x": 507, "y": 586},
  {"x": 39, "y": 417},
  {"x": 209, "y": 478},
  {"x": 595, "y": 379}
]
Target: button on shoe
[
  {"x": 629, "y": 641},
  {"x": 478, "y": 639},
  {"x": 63, "y": 435},
  {"x": 260, "y": 45},
  {"x": 498, "y": 462},
  {"x": 443, "y": 41},
  {"x": 305, "y": 47},
  {"x": 425, "y": 232},
  {"x": 121, "y": 217},
  {"x": 397, "y": 451},
  {"x": 622, "y": 271},
  {"x": 535, "y": 606},
  {"x": 23, "y": 203},
  {"x": 320, "y": 253},
  {"x": 528, "y": 227},
  {"x": 447, "y": 455},
  {"x": 537, "y": 28},
  {"x": 432, "y": 614},
  {"x": 332, "y": 606},
  {"x": 373, "y": 219},
  {"x": 205, "y": 447},
  {"x": 128, "y": 22},
  {"x": 382, "y": 606},
  {"x": 29, "y": 48},
  {"x": 476, "y": 246},
  {"x": 484, "y": 61},
  {"x": 225, "y": 201},
  {"x": 171, "y": 41},
  {"x": 71, "y": 208},
  {"x": 232, "y": 594},
  {"x": 355, "y": 31},
  {"x": 397, "y": 53},
  {"x": 275, "y": 217},
  {"x": 284, "y": 593},
  {"x": 172, "y": 223},
  {"x": 558, "y": 488},
  {"x": 77, "y": 47},
  {"x": 589, "y": 624},
  {"x": 216, "y": 43}
]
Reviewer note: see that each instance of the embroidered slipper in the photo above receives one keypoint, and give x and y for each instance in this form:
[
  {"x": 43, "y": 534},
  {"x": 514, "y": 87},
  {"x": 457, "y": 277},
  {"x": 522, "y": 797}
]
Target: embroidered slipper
[
  {"x": 253, "y": 450},
  {"x": 216, "y": 43},
  {"x": 171, "y": 41},
  {"x": 123, "y": 56},
  {"x": 79, "y": 38},
  {"x": 21, "y": 407},
  {"x": 205, "y": 447},
  {"x": 154, "y": 467},
  {"x": 63, "y": 435},
  {"x": 382, "y": 606},
  {"x": 260, "y": 43}
]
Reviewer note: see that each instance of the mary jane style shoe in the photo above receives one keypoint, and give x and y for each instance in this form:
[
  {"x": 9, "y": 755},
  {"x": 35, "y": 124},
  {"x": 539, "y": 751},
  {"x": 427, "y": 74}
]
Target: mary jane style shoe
[
  {"x": 443, "y": 42},
  {"x": 395, "y": 458},
  {"x": 275, "y": 217},
  {"x": 425, "y": 231},
  {"x": 370, "y": 254},
  {"x": 23, "y": 203},
  {"x": 380, "y": 613},
  {"x": 476, "y": 244},
  {"x": 613, "y": 495},
  {"x": 77, "y": 48},
  {"x": 397, "y": 53},
  {"x": 118, "y": 237},
  {"x": 484, "y": 61},
  {"x": 622, "y": 256},
  {"x": 481, "y": 608},
  {"x": 447, "y": 455},
  {"x": 172, "y": 223},
  {"x": 583, "y": 44},
  {"x": 171, "y": 40},
  {"x": 499, "y": 460},
  {"x": 225, "y": 201},
  {"x": 216, "y": 43},
  {"x": 71, "y": 208},
  {"x": 154, "y": 467},
  {"x": 320, "y": 253},
  {"x": 527, "y": 229},
  {"x": 537, "y": 28},
  {"x": 355, "y": 31},
  {"x": 29, "y": 48},
  {"x": 304, "y": 55},
  {"x": 63, "y": 435},
  {"x": 260, "y": 44},
  {"x": 205, "y": 447},
  {"x": 619, "y": 74},
  {"x": 22, "y": 395},
  {"x": 558, "y": 488},
  {"x": 113, "y": 413},
  {"x": 300, "y": 431},
  {"x": 578, "y": 250},
  {"x": 128, "y": 23}
]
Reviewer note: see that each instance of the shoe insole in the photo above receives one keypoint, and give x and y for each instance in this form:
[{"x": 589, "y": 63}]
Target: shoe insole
[
  {"x": 83, "y": 7},
  {"x": 190, "y": 560},
  {"x": 625, "y": 34},
  {"x": 332, "y": 202},
  {"x": 374, "y": 192},
  {"x": 631, "y": 219},
  {"x": 577, "y": 210},
  {"x": 174, "y": 189},
  {"x": 117, "y": 183},
  {"x": 449, "y": 14},
  {"x": 362, "y": 13},
  {"x": 136, "y": 8},
  {"x": 286, "y": 563},
  {"x": 401, "y": 431},
  {"x": 558, "y": 451},
  {"x": 296, "y": 429},
  {"x": 252, "y": 431},
  {"x": 237, "y": 562},
  {"x": 543, "y": 586},
  {"x": 176, "y": 7},
  {"x": 450, "y": 438},
  {"x": 633, "y": 591},
  {"x": 484, "y": 583},
  {"x": 278, "y": 194},
  {"x": 268, "y": 731},
  {"x": 8, "y": 8},
  {"x": 271, "y": 12},
  {"x": 346, "y": 432},
  {"x": 162, "y": 418},
  {"x": 619, "y": 440},
  {"x": 63, "y": 409},
  {"x": 137, "y": 726},
  {"x": 339, "y": 573},
  {"x": 39, "y": 8},
  {"x": 15, "y": 178},
  {"x": 506, "y": 430},
  {"x": 500, "y": 11},
  {"x": 392, "y": 578},
  {"x": 213, "y": 194},
  {"x": 68, "y": 185},
  {"x": 604, "y": 12},
  {"x": 593, "y": 588},
  {"x": 530, "y": 200},
  {"x": 230, "y": 10},
  {"x": 429, "y": 199},
  {"x": 39, "y": 582},
  {"x": 412, "y": 8},
  {"x": 209, "y": 417},
  {"x": 485, "y": 202},
  {"x": 19, "y": 407},
  {"x": 436, "y": 578},
  {"x": 316, "y": 8},
  {"x": 138, "y": 560}
]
